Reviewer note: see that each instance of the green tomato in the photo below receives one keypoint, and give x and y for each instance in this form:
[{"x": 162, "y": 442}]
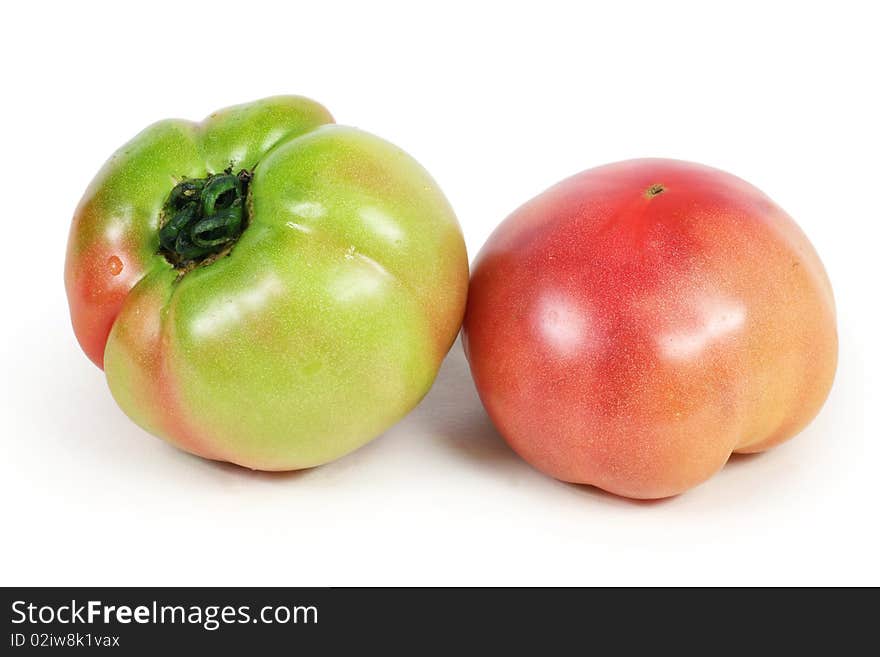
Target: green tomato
[{"x": 265, "y": 287}]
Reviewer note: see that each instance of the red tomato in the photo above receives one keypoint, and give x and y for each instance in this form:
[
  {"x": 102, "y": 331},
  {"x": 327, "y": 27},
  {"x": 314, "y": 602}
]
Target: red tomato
[{"x": 632, "y": 326}]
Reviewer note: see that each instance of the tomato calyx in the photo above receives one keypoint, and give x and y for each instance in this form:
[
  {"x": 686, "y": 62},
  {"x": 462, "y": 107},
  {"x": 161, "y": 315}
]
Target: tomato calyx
[{"x": 203, "y": 217}]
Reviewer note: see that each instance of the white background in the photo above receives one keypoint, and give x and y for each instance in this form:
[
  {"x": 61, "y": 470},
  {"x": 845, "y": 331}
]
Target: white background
[{"x": 498, "y": 102}]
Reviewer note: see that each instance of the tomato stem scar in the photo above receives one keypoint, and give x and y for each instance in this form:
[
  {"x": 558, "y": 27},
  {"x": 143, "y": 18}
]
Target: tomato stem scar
[{"x": 654, "y": 190}]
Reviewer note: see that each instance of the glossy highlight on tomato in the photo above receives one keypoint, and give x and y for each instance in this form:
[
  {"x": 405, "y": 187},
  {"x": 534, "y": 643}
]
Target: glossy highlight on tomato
[
  {"x": 637, "y": 323},
  {"x": 265, "y": 287}
]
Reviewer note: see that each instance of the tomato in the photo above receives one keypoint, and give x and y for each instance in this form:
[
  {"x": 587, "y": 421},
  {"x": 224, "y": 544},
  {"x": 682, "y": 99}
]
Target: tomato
[
  {"x": 633, "y": 325},
  {"x": 265, "y": 287}
]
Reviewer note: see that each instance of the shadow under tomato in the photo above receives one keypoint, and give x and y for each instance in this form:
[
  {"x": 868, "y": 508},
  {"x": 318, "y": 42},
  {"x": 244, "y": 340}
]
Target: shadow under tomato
[
  {"x": 602, "y": 495},
  {"x": 737, "y": 460},
  {"x": 453, "y": 415},
  {"x": 234, "y": 470}
]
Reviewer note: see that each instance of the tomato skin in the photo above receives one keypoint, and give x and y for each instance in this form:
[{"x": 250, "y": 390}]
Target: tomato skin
[
  {"x": 633, "y": 325},
  {"x": 96, "y": 293},
  {"x": 324, "y": 323}
]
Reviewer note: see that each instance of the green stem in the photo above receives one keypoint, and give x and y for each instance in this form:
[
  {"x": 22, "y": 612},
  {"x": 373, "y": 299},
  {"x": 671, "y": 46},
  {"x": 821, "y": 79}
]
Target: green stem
[{"x": 203, "y": 217}]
